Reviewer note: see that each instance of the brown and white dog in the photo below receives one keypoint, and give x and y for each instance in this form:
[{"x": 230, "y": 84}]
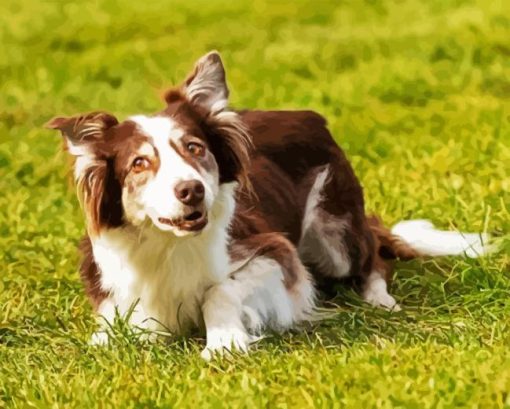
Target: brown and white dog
[{"x": 202, "y": 216}]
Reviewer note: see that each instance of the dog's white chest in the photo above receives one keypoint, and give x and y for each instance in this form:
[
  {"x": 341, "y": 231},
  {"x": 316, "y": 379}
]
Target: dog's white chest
[{"x": 161, "y": 279}]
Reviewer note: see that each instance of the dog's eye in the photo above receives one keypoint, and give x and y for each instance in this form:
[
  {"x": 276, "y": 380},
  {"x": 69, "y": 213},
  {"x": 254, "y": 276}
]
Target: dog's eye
[
  {"x": 195, "y": 149},
  {"x": 140, "y": 164}
]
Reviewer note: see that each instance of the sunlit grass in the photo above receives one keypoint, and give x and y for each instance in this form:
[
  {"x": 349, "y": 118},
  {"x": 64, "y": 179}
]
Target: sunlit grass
[{"x": 417, "y": 93}]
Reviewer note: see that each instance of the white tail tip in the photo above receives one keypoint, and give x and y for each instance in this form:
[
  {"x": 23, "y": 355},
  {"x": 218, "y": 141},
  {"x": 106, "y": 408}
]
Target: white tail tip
[{"x": 422, "y": 236}]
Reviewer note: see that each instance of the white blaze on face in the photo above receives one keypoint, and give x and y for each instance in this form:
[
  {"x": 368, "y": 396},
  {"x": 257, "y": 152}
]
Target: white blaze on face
[{"x": 157, "y": 198}]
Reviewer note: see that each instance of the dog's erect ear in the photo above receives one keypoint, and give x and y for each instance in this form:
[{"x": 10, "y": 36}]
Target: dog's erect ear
[
  {"x": 82, "y": 131},
  {"x": 229, "y": 139},
  {"x": 206, "y": 86}
]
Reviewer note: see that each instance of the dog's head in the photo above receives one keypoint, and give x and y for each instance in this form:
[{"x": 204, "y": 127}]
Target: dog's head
[{"x": 167, "y": 169}]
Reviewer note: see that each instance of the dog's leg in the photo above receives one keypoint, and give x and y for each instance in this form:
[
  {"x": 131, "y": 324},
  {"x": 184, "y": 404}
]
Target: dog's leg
[
  {"x": 105, "y": 317},
  {"x": 375, "y": 292},
  {"x": 337, "y": 239},
  {"x": 330, "y": 239},
  {"x": 269, "y": 290},
  {"x": 222, "y": 311}
]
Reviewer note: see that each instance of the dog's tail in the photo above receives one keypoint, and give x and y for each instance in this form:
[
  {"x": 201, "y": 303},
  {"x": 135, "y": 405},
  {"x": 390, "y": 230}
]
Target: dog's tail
[{"x": 419, "y": 238}]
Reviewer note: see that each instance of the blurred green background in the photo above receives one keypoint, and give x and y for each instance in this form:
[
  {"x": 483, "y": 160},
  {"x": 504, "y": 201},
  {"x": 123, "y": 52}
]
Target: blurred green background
[{"x": 418, "y": 95}]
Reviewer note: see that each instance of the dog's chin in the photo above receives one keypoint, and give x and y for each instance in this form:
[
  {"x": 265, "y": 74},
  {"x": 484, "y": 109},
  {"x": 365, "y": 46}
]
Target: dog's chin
[{"x": 191, "y": 224}]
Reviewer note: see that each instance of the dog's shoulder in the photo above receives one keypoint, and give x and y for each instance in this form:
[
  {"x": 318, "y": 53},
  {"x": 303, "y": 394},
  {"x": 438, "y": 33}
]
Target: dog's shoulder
[{"x": 272, "y": 128}]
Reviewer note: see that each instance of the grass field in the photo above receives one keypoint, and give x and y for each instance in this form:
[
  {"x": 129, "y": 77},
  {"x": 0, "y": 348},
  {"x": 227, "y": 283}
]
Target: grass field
[{"x": 418, "y": 95}]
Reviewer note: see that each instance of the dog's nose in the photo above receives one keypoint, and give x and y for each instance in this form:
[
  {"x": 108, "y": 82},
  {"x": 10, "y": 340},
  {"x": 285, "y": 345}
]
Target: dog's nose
[{"x": 190, "y": 192}]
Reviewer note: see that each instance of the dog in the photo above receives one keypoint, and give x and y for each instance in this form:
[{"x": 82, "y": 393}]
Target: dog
[{"x": 204, "y": 217}]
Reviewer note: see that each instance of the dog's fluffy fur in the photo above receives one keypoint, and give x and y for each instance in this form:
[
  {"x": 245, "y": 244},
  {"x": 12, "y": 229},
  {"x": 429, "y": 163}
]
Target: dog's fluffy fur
[{"x": 199, "y": 216}]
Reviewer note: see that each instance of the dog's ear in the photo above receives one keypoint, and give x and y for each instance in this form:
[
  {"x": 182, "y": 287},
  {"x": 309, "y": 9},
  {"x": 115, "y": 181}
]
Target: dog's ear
[
  {"x": 229, "y": 139},
  {"x": 83, "y": 132},
  {"x": 206, "y": 86},
  {"x": 98, "y": 189}
]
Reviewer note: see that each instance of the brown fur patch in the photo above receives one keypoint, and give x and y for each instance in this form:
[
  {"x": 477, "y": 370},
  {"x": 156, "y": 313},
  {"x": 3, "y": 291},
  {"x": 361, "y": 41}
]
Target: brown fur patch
[
  {"x": 276, "y": 247},
  {"x": 99, "y": 191},
  {"x": 388, "y": 247}
]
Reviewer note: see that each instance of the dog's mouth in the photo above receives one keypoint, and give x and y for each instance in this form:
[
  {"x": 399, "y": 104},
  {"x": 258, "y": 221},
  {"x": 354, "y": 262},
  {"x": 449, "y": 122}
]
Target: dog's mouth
[{"x": 193, "y": 221}]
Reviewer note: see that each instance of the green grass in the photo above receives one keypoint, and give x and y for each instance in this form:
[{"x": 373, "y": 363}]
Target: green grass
[{"x": 417, "y": 93}]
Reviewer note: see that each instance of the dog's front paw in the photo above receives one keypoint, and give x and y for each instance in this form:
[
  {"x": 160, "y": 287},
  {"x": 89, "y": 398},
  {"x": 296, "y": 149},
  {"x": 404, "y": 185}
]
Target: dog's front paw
[
  {"x": 99, "y": 338},
  {"x": 222, "y": 340},
  {"x": 382, "y": 300}
]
